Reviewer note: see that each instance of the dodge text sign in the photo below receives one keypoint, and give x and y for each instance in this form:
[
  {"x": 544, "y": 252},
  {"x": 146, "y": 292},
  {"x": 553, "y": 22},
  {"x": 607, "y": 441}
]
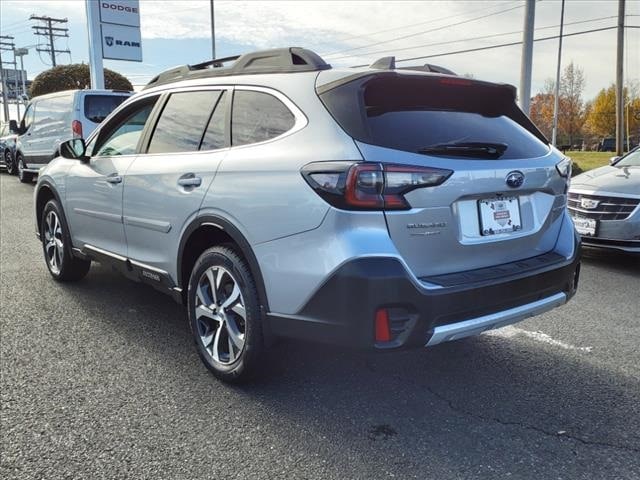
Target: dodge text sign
[
  {"x": 120, "y": 12},
  {"x": 121, "y": 43}
]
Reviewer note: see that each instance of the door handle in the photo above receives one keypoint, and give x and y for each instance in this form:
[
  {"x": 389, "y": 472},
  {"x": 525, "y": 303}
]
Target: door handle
[
  {"x": 189, "y": 180},
  {"x": 114, "y": 178}
]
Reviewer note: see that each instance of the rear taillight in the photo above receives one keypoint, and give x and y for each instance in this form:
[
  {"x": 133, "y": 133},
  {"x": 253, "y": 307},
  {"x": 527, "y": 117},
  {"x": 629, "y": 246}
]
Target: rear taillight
[
  {"x": 76, "y": 128},
  {"x": 370, "y": 186}
]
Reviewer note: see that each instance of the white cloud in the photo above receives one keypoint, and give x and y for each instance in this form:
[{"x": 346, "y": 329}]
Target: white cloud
[{"x": 329, "y": 26}]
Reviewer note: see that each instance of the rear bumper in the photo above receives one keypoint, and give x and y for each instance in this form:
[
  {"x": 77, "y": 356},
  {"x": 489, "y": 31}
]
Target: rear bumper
[{"x": 343, "y": 310}]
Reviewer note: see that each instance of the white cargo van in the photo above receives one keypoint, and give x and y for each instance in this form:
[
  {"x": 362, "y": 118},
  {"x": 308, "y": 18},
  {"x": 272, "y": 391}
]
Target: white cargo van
[{"x": 55, "y": 118}]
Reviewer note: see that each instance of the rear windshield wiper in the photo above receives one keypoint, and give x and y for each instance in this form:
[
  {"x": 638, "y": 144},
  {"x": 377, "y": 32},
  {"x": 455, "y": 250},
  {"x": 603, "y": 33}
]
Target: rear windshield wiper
[{"x": 466, "y": 149}]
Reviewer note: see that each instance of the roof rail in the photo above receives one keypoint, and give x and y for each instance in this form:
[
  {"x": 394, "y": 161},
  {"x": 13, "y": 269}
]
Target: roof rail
[
  {"x": 389, "y": 63},
  {"x": 278, "y": 60}
]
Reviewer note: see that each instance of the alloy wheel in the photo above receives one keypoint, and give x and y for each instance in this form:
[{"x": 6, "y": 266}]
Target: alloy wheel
[
  {"x": 220, "y": 315},
  {"x": 54, "y": 246}
]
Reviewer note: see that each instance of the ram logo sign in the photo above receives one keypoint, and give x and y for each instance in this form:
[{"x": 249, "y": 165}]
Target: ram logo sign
[
  {"x": 120, "y": 30},
  {"x": 121, "y": 43}
]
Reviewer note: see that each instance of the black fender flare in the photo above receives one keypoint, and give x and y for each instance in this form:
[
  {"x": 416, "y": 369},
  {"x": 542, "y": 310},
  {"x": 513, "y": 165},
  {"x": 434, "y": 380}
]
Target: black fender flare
[
  {"x": 238, "y": 238},
  {"x": 56, "y": 196}
]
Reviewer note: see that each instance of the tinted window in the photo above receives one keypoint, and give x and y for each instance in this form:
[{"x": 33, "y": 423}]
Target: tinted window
[
  {"x": 98, "y": 107},
  {"x": 414, "y": 112},
  {"x": 214, "y": 137},
  {"x": 257, "y": 117},
  {"x": 52, "y": 111},
  {"x": 123, "y": 138},
  {"x": 28, "y": 116},
  {"x": 414, "y": 130},
  {"x": 182, "y": 122},
  {"x": 632, "y": 159}
]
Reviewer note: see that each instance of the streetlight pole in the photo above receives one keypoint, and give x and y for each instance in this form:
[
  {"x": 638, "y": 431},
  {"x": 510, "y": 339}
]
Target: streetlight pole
[
  {"x": 527, "y": 56},
  {"x": 619, "y": 80},
  {"x": 21, "y": 52},
  {"x": 213, "y": 32},
  {"x": 556, "y": 93}
]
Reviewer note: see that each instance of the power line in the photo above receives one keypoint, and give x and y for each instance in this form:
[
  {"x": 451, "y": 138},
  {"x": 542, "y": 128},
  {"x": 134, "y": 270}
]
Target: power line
[
  {"x": 48, "y": 30},
  {"x": 491, "y": 47},
  {"x": 442, "y": 27},
  {"x": 434, "y": 20},
  {"x": 483, "y": 37}
]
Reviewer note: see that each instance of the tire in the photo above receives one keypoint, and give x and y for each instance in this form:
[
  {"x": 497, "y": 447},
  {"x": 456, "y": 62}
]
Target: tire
[
  {"x": 228, "y": 338},
  {"x": 9, "y": 163},
  {"x": 56, "y": 246},
  {"x": 24, "y": 177}
]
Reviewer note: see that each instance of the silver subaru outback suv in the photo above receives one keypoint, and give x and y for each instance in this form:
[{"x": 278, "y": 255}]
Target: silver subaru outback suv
[{"x": 381, "y": 208}]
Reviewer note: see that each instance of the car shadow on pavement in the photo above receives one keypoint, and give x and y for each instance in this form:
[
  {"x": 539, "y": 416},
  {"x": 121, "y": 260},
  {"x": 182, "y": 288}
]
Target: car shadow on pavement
[
  {"x": 612, "y": 260},
  {"x": 488, "y": 396}
]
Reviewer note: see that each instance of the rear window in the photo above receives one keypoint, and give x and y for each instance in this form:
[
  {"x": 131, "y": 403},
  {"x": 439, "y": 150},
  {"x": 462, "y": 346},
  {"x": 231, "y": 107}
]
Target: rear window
[
  {"x": 98, "y": 107},
  {"x": 412, "y": 113}
]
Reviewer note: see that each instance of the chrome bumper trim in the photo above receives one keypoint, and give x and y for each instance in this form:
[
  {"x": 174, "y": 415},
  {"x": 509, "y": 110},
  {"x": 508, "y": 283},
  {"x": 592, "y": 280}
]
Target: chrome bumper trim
[{"x": 476, "y": 326}]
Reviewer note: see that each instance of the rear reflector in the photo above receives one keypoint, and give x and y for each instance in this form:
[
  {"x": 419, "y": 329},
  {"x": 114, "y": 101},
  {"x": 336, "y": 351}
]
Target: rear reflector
[{"x": 383, "y": 333}]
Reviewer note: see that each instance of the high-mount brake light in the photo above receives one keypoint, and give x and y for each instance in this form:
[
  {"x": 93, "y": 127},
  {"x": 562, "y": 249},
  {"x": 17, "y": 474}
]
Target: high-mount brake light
[
  {"x": 370, "y": 186},
  {"x": 455, "y": 81}
]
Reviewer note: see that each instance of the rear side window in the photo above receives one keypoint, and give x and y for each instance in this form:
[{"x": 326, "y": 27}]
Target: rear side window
[
  {"x": 215, "y": 137},
  {"x": 98, "y": 107},
  {"x": 413, "y": 113},
  {"x": 257, "y": 117},
  {"x": 182, "y": 122}
]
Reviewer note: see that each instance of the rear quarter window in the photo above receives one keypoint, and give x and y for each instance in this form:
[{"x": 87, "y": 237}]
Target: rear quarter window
[
  {"x": 98, "y": 107},
  {"x": 257, "y": 117}
]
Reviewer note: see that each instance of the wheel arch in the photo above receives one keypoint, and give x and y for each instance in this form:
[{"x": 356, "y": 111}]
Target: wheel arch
[
  {"x": 46, "y": 192},
  {"x": 207, "y": 231}
]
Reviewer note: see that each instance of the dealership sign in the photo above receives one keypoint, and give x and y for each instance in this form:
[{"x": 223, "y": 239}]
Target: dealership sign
[{"x": 120, "y": 30}]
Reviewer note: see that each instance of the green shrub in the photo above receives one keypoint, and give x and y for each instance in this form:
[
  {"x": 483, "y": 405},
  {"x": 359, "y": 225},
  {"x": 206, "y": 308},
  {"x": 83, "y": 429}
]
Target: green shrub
[{"x": 72, "y": 77}]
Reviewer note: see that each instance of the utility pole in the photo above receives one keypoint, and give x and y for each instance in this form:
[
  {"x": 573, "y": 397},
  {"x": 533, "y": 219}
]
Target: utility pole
[
  {"x": 556, "y": 94},
  {"x": 619, "y": 81},
  {"x": 51, "y": 32},
  {"x": 21, "y": 52},
  {"x": 527, "y": 56},
  {"x": 6, "y": 44},
  {"x": 213, "y": 33}
]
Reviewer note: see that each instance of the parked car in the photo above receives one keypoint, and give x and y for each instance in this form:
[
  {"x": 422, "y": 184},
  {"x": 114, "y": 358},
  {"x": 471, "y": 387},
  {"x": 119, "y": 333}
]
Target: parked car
[
  {"x": 52, "y": 119},
  {"x": 607, "y": 145},
  {"x": 7, "y": 149},
  {"x": 378, "y": 208},
  {"x": 605, "y": 204}
]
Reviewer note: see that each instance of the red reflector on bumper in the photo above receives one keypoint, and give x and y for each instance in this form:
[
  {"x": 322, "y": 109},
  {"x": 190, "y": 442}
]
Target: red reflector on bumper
[{"x": 383, "y": 334}]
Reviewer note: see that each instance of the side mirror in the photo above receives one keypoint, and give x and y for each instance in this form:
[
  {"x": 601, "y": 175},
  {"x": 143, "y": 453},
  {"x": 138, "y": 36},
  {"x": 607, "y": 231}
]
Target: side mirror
[
  {"x": 613, "y": 160},
  {"x": 13, "y": 126},
  {"x": 74, "y": 149}
]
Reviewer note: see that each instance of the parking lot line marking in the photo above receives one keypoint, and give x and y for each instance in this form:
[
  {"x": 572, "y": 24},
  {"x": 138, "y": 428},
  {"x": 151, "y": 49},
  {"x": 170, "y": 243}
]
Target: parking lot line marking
[{"x": 510, "y": 332}]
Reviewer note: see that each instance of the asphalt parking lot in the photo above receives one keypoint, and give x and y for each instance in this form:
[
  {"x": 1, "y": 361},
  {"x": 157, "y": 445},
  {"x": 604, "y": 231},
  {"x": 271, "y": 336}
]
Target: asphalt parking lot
[{"x": 100, "y": 379}]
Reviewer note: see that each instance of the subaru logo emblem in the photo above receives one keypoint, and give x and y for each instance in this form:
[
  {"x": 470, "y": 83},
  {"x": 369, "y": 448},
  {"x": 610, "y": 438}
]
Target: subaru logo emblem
[{"x": 515, "y": 179}]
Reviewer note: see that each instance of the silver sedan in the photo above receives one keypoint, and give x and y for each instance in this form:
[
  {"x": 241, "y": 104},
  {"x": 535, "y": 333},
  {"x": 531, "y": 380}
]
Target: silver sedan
[{"x": 605, "y": 204}]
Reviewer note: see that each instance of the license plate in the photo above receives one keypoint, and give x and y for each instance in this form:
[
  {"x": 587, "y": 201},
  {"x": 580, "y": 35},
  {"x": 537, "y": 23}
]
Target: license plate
[
  {"x": 499, "y": 215},
  {"x": 586, "y": 226}
]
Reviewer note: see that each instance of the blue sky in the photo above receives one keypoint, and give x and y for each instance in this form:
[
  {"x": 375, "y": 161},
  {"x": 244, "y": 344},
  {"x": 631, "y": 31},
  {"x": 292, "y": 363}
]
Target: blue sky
[{"x": 177, "y": 32}]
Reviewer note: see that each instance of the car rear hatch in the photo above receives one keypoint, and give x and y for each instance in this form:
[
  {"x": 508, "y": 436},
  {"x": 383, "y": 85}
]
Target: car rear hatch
[{"x": 479, "y": 185}]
